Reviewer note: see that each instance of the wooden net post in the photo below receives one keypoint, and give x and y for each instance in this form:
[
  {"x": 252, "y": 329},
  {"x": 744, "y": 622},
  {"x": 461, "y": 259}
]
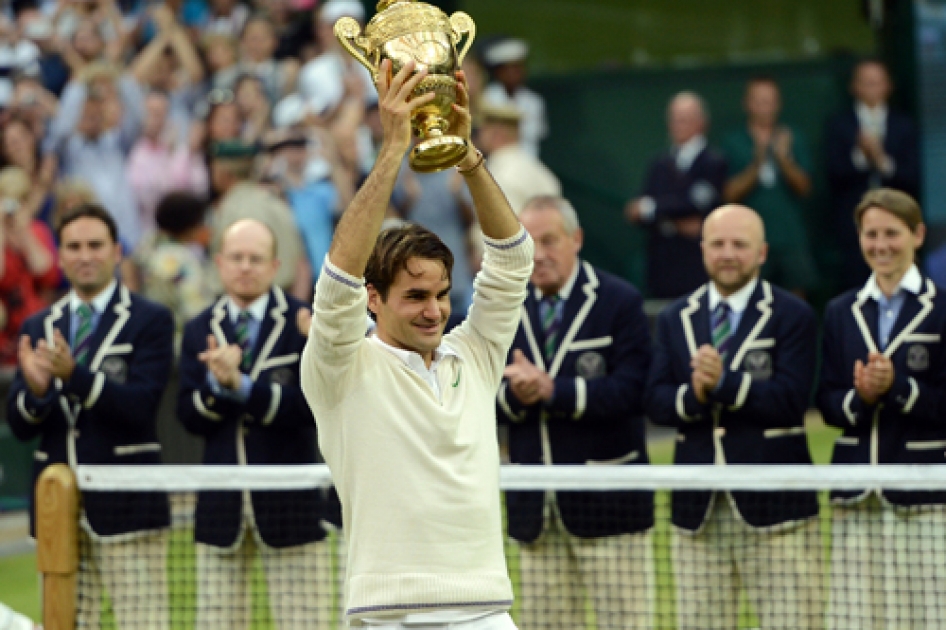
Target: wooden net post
[{"x": 57, "y": 544}]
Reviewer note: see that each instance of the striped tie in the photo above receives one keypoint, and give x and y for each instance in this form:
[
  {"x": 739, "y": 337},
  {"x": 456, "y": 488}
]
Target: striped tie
[
  {"x": 83, "y": 339},
  {"x": 243, "y": 339},
  {"x": 550, "y": 324},
  {"x": 721, "y": 332}
]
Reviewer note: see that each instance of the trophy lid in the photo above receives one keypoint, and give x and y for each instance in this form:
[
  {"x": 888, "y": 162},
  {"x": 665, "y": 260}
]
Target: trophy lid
[{"x": 384, "y": 4}]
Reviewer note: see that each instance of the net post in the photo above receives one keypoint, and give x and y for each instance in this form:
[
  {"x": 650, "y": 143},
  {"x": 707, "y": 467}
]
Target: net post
[{"x": 57, "y": 544}]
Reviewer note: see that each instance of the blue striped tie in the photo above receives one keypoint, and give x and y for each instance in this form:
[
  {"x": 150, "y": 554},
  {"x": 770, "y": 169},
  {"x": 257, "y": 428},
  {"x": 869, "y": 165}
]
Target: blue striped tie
[
  {"x": 721, "y": 331},
  {"x": 243, "y": 339}
]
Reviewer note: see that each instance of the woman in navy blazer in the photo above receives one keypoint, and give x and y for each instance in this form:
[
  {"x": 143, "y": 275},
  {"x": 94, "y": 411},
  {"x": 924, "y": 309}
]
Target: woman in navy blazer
[{"x": 883, "y": 383}]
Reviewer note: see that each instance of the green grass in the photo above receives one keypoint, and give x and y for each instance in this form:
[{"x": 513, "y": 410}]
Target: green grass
[{"x": 19, "y": 584}]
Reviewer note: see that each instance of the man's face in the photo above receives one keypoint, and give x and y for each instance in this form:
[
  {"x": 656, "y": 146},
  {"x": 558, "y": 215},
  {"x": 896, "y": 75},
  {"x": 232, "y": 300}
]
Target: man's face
[
  {"x": 871, "y": 85},
  {"x": 246, "y": 262},
  {"x": 685, "y": 119},
  {"x": 415, "y": 313},
  {"x": 734, "y": 248},
  {"x": 762, "y": 102},
  {"x": 88, "y": 256},
  {"x": 556, "y": 251},
  {"x": 156, "y": 113}
]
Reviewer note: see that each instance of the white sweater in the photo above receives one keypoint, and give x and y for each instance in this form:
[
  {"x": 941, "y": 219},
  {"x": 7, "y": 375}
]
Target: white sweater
[{"x": 418, "y": 479}]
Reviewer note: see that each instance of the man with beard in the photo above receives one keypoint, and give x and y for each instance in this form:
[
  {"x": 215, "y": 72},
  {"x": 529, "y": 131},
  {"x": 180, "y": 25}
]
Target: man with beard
[{"x": 733, "y": 369}]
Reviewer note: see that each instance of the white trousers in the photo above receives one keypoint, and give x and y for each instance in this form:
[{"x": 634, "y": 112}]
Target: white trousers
[
  {"x": 132, "y": 573},
  {"x": 559, "y": 571},
  {"x": 780, "y": 572},
  {"x": 300, "y": 591},
  {"x": 888, "y": 568},
  {"x": 498, "y": 621}
]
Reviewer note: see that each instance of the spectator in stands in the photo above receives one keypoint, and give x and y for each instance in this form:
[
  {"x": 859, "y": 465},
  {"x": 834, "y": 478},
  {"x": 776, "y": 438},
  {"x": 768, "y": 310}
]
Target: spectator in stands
[
  {"x": 869, "y": 145},
  {"x": 32, "y": 103},
  {"x": 173, "y": 262},
  {"x": 313, "y": 199},
  {"x": 224, "y": 16},
  {"x": 520, "y": 174},
  {"x": 573, "y": 394},
  {"x": 322, "y": 79},
  {"x": 240, "y": 197},
  {"x": 258, "y": 47},
  {"x": 162, "y": 161},
  {"x": 769, "y": 164},
  {"x": 506, "y": 62},
  {"x": 170, "y": 64},
  {"x": 84, "y": 364},
  {"x": 240, "y": 390},
  {"x": 220, "y": 53},
  {"x": 255, "y": 108},
  {"x": 33, "y": 24},
  {"x": 20, "y": 147},
  {"x": 28, "y": 271},
  {"x": 882, "y": 383},
  {"x": 98, "y": 122},
  {"x": 733, "y": 370},
  {"x": 89, "y": 32},
  {"x": 682, "y": 186}
]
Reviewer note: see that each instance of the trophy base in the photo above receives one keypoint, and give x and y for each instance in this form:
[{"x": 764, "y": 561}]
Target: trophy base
[{"x": 437, "y": 154}]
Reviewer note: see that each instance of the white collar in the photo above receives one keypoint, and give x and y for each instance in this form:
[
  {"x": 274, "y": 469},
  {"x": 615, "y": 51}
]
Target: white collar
[
  {"x": 738, "y": 301},
  {"x": 99, "y": 302},
  {"x": 866, "y": 112},
  {"x": 566, "y": 290},
  {"x": 911, "y": 281},
  {"x": 413, "y": 359},
  {"x": 257, "y": 309},
  {"x": 689, "y": 150}
]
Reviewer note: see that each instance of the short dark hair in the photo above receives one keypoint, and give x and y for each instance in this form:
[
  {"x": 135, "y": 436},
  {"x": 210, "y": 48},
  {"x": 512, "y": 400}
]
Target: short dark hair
[
  {"x": 87, "y": 211},
  {"x": 179, "y": 212},
  {"x": 397, "y": 245},
  {"x": 761, "y": 78}
]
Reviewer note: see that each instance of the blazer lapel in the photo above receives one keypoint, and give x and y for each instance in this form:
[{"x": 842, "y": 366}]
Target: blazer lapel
[
  {"x": 915, "y": 310},
  {"x": 694, "y": 317},
  {"x": 113, "y": 319},
  {"x": 271, "y": 328},
  {"x": 864, "y": 311},
  {"x": 575, "y": 312},
  {"x": 535, "y": 337},
  {"x": 753, "y": 322},
  {"x": 220, "y": 326}
]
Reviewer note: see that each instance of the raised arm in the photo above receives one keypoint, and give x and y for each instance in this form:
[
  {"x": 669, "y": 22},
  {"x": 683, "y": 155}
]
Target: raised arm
[
  {"x": 497, "y": 220},
  {"x": 360, "y": 224}
]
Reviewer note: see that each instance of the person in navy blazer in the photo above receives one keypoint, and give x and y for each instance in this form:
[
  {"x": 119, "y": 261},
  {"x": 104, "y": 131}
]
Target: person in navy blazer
[
  {"x": 578, "y": 399},
  {"x": 682, "y": 186},
  {"x": 883, "y": 383},
  {"x": 246, "y": 401},
  {"x": 741, "y": 401},
  {"x": 869, "y": 145},
  {"x": 95, "y": 402}
]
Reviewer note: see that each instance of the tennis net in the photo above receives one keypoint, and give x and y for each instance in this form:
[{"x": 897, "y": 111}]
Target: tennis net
[{"x": 588, "y": 547}]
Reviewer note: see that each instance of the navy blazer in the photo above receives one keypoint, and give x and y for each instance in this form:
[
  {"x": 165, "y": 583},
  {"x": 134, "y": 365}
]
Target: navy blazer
[
  {"x": 599, "y": 369},
  {"x": 273, "y": 427},
  {"x": 849, "y": 183},
  {"x": 757, "y": 416},
  {"x": 908, "y": 425},
  {"x": 675, "y": 262},
  {"x": 107, "y": 412}
]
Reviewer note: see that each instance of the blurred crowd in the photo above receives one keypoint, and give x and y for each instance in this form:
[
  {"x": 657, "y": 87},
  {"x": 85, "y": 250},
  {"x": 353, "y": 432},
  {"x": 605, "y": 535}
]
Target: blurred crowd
[{"x": 182, "y": 117}]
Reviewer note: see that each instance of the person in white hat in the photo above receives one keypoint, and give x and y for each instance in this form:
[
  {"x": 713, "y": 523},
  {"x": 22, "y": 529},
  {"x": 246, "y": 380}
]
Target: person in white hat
[{"x": 506, "y": 61}]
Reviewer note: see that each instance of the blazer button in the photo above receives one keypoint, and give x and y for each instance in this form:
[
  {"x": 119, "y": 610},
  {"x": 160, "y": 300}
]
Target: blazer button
[{"x": 211, "y": 401}]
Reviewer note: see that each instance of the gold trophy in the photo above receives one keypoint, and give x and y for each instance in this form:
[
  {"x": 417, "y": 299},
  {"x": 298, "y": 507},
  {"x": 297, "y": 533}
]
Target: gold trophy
[{"x": 405, "y": 30}]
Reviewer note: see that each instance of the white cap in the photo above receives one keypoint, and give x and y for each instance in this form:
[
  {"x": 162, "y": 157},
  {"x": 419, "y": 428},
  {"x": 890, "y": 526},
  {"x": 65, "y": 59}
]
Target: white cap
[
  {"x": 506, "y": 51},
  {"x": 335, "y": 9}
]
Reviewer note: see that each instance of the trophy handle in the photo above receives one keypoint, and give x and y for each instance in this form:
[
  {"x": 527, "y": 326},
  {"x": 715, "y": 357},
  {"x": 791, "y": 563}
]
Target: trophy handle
[
  {"x": 463, "y": 25},
  {"x": 347, "y": 30}
]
